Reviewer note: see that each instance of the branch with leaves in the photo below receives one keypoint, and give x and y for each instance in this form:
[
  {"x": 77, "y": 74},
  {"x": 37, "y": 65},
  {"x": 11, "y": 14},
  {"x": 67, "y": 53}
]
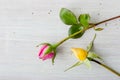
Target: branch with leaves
[{"x": 77, "y": 29}]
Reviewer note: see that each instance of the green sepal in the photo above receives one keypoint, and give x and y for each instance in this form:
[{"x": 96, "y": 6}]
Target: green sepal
[
  {"x": 75, "y": 28},
  {"x": 43, "y": 44},
  {"x": 68, "y": 17},
  {"x": 87, "y": 63},
  {"x": 89, "y": 47},
  {"x": 49, "y": 50},
  {"x": 54, "y": 57},
  {"x": 94, "y": 55},
  {"x": 76, "y": 64},
  {"x": 84, "y": 20}
]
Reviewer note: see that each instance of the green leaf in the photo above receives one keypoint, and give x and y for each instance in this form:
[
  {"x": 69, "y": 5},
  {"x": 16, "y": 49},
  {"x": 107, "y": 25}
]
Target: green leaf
[
  {"x": 98, "y": 29},
  {"x": 76, "y": 64},
  {"x": 84, "y": 20},
  {"x": 94, "y": 55},
  {"x": 87, "y": 63},
  {"x": 68, "y": 17},
  {"x": 75, "y": 28},
  {"x": 89, "y": 47}
]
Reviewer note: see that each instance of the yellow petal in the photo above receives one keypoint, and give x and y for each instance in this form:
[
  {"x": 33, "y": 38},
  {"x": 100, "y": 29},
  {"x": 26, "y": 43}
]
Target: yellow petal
[{"x": 80, "y": 53}]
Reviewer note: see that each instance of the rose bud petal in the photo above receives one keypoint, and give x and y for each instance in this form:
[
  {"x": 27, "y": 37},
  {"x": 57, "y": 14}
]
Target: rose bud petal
[
  {"x": 80, "y": 53},
  {"x": 48, "y": 56}
]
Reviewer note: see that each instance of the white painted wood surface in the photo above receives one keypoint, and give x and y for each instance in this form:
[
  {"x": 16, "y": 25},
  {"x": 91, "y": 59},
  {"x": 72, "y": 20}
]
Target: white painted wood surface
[{"x": 26, "y": 23}]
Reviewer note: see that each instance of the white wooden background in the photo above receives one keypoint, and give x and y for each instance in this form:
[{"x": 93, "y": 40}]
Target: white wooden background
[{"x": 26, "y": 23}]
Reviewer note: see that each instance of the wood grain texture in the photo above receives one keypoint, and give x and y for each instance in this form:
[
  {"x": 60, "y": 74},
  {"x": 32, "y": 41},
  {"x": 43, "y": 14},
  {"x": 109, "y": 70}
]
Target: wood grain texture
[{"x": 26, "y": 23}]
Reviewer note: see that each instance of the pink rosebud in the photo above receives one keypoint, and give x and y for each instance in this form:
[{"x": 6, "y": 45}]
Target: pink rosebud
[{"x": 46, "y": 52}]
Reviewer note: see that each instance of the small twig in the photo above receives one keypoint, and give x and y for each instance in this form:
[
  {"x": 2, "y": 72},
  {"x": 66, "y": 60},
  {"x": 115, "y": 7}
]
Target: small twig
[{"x": 107, "y": 20}]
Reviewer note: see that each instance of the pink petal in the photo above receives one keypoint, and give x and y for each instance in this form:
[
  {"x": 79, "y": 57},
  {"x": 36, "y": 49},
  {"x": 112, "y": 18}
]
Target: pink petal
[
  {"x": 41, "y": 53},
  {"x": 48, "y": 56}
]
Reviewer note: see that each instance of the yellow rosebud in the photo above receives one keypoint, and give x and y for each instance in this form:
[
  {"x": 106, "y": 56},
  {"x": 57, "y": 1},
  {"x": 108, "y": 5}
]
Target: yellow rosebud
[{"x": 80, "y": 53}]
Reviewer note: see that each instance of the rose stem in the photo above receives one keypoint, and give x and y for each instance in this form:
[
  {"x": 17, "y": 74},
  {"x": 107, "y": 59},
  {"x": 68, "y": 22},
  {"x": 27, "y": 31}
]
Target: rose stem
[{"x": 105, "y": 66}]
